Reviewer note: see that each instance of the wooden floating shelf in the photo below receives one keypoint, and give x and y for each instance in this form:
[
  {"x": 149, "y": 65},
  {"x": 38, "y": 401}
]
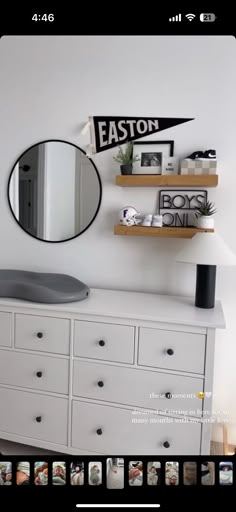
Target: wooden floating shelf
[
  {"x": 165, "y": 232},
  {"x": 177, "y": 180}
]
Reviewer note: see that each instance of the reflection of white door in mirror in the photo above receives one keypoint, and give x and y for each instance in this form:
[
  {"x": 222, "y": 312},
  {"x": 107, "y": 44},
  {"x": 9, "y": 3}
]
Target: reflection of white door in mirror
[
  {"x": 41, "y": 199},
  {"x": 59, "y": 186},
  {"x": 54, "y": 191},
  {"x": 28, "y": 186}
]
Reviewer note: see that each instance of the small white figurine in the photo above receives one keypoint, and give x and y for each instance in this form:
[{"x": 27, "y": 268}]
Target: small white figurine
[
  {"x": 147, "y": 221},
  {"x": 157, "y": 221}
]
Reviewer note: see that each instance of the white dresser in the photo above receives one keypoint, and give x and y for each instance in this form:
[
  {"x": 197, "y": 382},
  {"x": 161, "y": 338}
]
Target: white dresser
[{"x": 116, "y": 374}]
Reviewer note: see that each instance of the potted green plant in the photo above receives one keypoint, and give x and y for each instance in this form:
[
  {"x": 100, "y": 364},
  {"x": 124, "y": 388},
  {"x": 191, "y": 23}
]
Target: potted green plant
[
  {"x": 204, "y": 215},
  {"x": 126, "y": 158}
]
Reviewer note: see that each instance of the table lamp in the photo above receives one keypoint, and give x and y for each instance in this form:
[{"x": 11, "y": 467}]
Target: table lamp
[{"x": 206, "y": 250}]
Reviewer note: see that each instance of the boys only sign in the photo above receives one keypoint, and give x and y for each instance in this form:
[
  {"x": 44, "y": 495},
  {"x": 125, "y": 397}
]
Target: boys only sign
[
  {"x": 178, "y": 207},
  {"x": 108, "y": 132}
]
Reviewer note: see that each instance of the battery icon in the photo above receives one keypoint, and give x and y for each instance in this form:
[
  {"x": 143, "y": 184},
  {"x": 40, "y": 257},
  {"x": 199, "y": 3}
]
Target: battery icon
[{"x": 207, "y": 16}]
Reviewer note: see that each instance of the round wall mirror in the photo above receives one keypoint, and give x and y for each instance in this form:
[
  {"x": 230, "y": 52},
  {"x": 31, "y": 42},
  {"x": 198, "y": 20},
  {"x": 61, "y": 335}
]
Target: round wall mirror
[{"x": 54, "y": 191}]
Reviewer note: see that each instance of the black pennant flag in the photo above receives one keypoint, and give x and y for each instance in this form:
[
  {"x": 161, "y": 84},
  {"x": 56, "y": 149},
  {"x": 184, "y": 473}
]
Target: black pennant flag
[{"x": 108, "y": 132}]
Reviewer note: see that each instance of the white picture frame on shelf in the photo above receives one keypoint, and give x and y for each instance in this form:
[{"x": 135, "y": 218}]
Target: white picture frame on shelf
[
  {"x": 151, "y": 155},
  {"x": 170, "y": 165}
]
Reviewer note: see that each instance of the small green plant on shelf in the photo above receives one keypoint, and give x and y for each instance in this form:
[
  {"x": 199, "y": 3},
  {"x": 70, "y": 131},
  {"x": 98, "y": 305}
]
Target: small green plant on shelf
[
  {"x": 206, "y": 209},
  {"x": 204, "y": 215},
  {"x": 126, "y": 158}
]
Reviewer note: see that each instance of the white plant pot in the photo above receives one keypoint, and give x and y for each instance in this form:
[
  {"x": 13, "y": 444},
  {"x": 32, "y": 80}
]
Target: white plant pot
[{"x": 205, "y": 222}]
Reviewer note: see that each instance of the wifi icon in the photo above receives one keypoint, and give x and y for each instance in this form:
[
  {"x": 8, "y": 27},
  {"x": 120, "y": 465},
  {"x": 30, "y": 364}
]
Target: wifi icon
[{"x": 190, "y": 17}]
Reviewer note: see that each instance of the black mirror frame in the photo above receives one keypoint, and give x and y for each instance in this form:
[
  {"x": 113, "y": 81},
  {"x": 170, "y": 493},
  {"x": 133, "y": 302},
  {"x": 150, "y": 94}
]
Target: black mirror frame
[{"x": 100, "y": 194}]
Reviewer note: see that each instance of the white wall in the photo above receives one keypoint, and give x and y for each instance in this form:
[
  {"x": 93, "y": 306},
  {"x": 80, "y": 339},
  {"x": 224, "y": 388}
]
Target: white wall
[{"x": 49, "y": 87}]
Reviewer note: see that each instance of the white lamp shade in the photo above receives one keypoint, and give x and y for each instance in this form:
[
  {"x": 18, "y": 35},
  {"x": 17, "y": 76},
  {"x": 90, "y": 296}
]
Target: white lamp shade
[{"x": 206, "y": 249}]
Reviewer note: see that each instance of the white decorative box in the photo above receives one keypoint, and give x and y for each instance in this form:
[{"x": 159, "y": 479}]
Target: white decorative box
[
  {"x": 189, "y": 166},
  {"x": 170, "y": 165}
]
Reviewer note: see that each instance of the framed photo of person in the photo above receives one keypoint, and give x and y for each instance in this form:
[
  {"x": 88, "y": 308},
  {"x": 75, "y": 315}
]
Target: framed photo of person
[{"x": 151, "y": 156}]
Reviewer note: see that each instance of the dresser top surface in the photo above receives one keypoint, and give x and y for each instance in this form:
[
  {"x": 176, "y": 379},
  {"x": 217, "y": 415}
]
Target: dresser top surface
[{"x": 134, "y": 305}]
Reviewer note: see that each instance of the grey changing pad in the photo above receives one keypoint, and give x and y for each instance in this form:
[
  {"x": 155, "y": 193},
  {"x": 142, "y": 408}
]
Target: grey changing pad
[{"x": 41, "y": 287}]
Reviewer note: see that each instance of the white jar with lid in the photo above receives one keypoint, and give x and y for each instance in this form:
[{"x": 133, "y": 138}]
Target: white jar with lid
[
  {"x": 157, "y": 221},
  {"x": 147, "y": 221}
]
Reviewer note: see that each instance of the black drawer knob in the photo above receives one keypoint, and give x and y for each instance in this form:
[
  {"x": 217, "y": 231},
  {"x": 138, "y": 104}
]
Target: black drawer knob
[
  {"x": 39, "y": 374},
  {"x": 38, "y": 419},
  {"x": 166, "y": 444},
  {"x": 39, "y": 335},
  {"x": 99, "y": 431},
  {"x": 100, "y": 383},
  {"x": 170, "y": 352},
  {"x": 168, "y": 395},
  {"x": 101, "y": 343}
]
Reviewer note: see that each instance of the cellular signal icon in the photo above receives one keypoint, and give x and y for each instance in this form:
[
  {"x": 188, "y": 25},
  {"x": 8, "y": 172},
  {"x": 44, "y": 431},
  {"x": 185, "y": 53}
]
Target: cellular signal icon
[{"x": 176, "y": 18}]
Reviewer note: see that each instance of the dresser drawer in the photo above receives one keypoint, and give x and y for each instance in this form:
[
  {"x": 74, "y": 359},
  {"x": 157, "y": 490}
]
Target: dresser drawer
[
  {"x": 42, "y": 333},
  {"x": 104, "y": 341},
  {"x": 111, "y": 430},
  {"x": 20, "y": 409},
  {"x": 142, "y": 388},
  {"x": 34, "y": 372},
  {"x": 172, "y": 350},
  {"x": 5, "y": 329}
]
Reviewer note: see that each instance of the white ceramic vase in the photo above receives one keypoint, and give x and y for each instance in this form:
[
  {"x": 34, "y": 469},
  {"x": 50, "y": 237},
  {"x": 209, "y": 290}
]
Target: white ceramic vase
[{"x": 205, "y": 222}]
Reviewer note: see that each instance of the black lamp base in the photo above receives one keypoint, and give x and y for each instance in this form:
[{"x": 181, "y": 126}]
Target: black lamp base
[{"x": 205, "y": 286}]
